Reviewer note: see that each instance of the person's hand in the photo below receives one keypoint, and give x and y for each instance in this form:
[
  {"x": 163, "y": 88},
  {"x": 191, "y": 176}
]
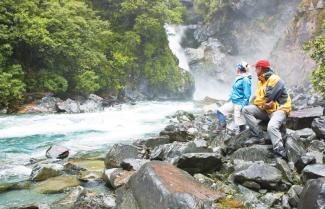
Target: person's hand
[{"x": 268, "y": 106}]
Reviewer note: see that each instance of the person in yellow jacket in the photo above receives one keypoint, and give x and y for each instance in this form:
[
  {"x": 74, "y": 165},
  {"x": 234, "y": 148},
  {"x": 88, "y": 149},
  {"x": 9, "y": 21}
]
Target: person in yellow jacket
[{"x": 272, "y": 103}]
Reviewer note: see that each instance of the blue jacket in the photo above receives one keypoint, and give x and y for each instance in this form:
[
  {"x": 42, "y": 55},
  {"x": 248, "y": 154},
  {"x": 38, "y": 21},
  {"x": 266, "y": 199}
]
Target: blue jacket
[{"x": 241, "y": 90}]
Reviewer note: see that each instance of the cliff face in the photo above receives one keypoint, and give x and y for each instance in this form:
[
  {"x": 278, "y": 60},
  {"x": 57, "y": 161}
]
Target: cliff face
[{"x": 250, "y": 30}]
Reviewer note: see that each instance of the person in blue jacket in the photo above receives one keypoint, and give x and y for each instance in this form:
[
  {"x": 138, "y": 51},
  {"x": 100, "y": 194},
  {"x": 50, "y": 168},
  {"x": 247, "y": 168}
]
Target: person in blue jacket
[{"x": 239, "y": 98}]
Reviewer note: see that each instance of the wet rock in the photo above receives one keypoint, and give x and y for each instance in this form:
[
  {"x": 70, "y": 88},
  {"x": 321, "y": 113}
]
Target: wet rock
[
  {"x": 56, "y": 184},
  {"x": 89, "y": 165},
  {"x": 265, "y": 175},
  {"x": 57, "y": 152},
  {"x": 318, "y": 125},
  {"x": 5, "y": 187},
  {"x": 174, "y": 150},
  {"x": 93, "y": 200},
  {"x": 313, "y": 172},
  {"x": 183, "y": 116},
  {"x": 199, "y": 162},
  {"x": 160, "y": 185},
  {"x": 295, "y": 148},
  {"x": 153, "y": 142},
  {"x": 294, "y": 195},
  {"x": 68, "y": 201},
  {"x": 42, "y": 172},
  {"x": 303, "y": 161},
  {"x": 313, "y": 195},
  {"x": 303, "y": 118},
  {"x": 68, "y": 106},
  {"x": 90, "y": 175},
  {"x": 92, "y": 104},
  {"x": 133, "y": 164},
  {"x": 33, "y": 206},
  {"x": 283, "y": 166},
  {"x": 177, "y": 133},
  {"x": 120, "y": 152},
  {"x": 254, "y": 153},
  {"x": 117, "y": 177}
]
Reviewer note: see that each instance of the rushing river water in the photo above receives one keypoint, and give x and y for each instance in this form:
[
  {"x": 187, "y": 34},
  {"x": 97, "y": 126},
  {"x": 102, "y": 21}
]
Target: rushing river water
[{"x": 23, "y": 137}]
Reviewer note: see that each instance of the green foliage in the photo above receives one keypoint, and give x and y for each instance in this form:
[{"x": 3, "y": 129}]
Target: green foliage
[
  {"x": 88, "y": 82},
  {"x": 316, "y": 47},
  {"x": 206, "y": 8},
  {"x": 88, "y": 45}
]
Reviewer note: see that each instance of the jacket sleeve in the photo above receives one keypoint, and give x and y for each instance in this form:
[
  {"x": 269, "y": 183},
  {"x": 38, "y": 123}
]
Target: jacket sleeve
[
  {"x": 247, "y": 87},
  {"x": 274, "y": 89}
]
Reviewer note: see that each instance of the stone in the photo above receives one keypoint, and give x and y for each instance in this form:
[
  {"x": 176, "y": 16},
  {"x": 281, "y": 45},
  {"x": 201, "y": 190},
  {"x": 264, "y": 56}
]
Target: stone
[
  {"x": 117, "y": 177},
  {"x": 56, "y": 184},
  {"x": 303, "y": 161},
  {"x": 68, "y": 106},
  {"x": 313, "y": 172},
  {"x": 90, "y": 175},
  {"x": 237, "y": 141},
  {"x": 92, "y": 104},
  {"x": 283, "y": 166},
  {"x": 177, "y": 133},
  {"x": 93, "y": 200},
  {"x": 303, "y": 118},
  {"x": 160, "y": 185},
  {"x": 272, "y": 199},
  {"x": 317, "y": 145},
  {"x": 254, "y": 153},
  {"x": 295, "y": 148},
  {"x": 120, "y": 152},
  {"x": 313, "y": 195},
  {"x": 285, "y": 202},
  {"x": 32, "y": 206},
  {"x": 304, "y": 133},
  {"x": 318, "y": 126},
  {"x": 42, "y": 172},
  {"x": 89, "y": 165},
  {"x": 199, "y": 162},
  {"x": 172, "y": 151},
  {"x": 133, "y": 164},
  {"x": 154, "y": 142},
  {"x": 9, "y": 186},
  {"x": 69, "y": 200},
  {"x": 294, "y": 195},
  {"x": 57, "y": 152},
  {"x": 265, "y": 175},
  {"x": 203, "y": 179}
]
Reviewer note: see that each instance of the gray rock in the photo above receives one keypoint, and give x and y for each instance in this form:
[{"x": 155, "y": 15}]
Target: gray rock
[
  {"x": 174, "y": 150},
  {"x": 303, "y": 118},
  {"x": 203, "y": 179},
  {"x": 285, "y": 202},
  {"x": 237, "y": 141},
  {"x": 272, "y": 199},
  {"x": 133, "y": 164},
  {"x": 68, "y": 106},
  {"x": 153, "y": 142},
  {"x": 295, "y": 148},
  {"x": 69, "y": 200},
  {"x": 304, "y": 160},
  {"x": 160, "y": 185},
  {"x": 120, "y": 152},
  {"x": 318, "y": 126},
  {"x": 305, "y": 133},
  {"x": 283, "y": 166},
  {"x": 313, "y": 195},
  {"x": 254, "y": 153},
  {"x": 33, "y": 206},
  {"x": 177, "y": 133},
  {"x": 294, "y": 195},
  {"x": 92, "y": 104},
  {"x": 57, "y": 152},
  {"x": 313, "y": 172},
  {"x": 199, "y": 162},
  {"x": 42, "y": 172},
  {"x": 265, "y": 175},
  {"x": 92, "y": 200},
  {"x": 317, "y": 145}
]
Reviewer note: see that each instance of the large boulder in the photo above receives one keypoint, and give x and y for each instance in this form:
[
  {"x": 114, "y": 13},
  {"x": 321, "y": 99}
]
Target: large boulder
[
  {"x": 303, "y": 118},
  {"x": 68, "y": 106},
  {"x": 313, "y": 195},
  {"x": 173, "y": 151},
  {"x": 116, "y": 177},
  {"x": 120, "y": 152},
  {"x": 237, "y": 141},
  {"x": 160, "y": 185},
  {"x": 294, "y": 195},
  {"x": 254, "y": 153},
  {"x": 304, "y": 160},
  {"x": 56, "y": 184},
  {"x": 133, "y": 164},
  {"x": 199, "y": 162},
  {"x": 92, "y": 104},
  {"x": 318, "y": 125},
  {"x": 57, "y": 152},
  {"x": 42, "y": 172},
  {"x": 313, "y": 172},
  {"x": 295, "y": 148},
  {"x": 259, "y": 176}
]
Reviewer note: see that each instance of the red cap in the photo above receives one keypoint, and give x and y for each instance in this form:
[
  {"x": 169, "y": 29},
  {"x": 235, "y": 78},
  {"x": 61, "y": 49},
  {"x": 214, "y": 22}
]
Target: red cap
[{"x": 262, "y": 63}]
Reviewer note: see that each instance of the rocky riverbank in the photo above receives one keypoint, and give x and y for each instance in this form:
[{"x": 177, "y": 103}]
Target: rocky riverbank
[{"x": 189, "y": 166}]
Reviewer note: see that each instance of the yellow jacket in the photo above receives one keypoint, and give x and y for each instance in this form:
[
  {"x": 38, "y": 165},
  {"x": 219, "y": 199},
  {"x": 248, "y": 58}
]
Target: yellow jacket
[{"x": 271, "y": 88}]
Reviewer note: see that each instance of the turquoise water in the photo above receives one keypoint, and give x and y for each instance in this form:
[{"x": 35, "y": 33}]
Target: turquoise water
[{"x": 23, "y": 137}]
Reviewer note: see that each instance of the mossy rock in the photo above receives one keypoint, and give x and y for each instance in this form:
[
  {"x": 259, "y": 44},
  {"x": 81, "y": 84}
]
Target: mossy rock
[
  {"x": 5, "y": 187},
  {"x": 89, "y": 165},
  {"x": 56, "y": 184}
]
